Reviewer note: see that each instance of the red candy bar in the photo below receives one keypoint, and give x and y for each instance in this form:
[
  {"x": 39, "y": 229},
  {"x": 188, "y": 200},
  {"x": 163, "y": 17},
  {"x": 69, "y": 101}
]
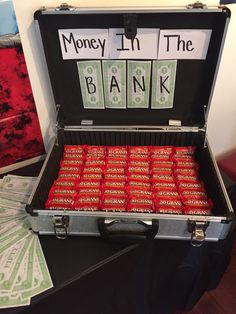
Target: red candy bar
[
  {"x": 194, "y": 193},
  {"x": 114, "y": 193},
  {"x": 111, "y": 184},
  {"x": 116, "y": 162},
  {"x": 89, "y": 191},
  {"x": 139, "y": 177},
  {"x": 141, "y": 201},
  {"x": 71, "y": 163},
  {"x": 140, "y": 208},
  {"x": 65, "y": 182},
  {"x": 188, "y": 158},
  {"x": 141, "y": 170},
  {"x": 113, "y": 208},
  {"x": 73, "y": 148},
  {"x": 114, "y": 176},
  {"x": 135, "y": 192},
  {"x": 185, "y": 150},
  {"x": 68, "y": 175},
  {"x": 92, "y": 176},
  {"x": 168, "y": 202},
  {"x": 55, "y": 191},
  {"x": 60, "y": 202},
  {"x": 139, "y": 150},
  {"x": 161, "y": 150},
  {"x": 166, "y": 194},
  {"x": 190, "y": 185},
  {"x": 171, "y": 186},
  {"x": 112, "y": 200},
  {"x": 86, "y": 207},
  {"x": 158, "y": 158},
  {"x": 169, "y": 210},
  {"x": 139, "y": 184},
  {"x": 162, "y": 177},
  {"x": 161, "y": 170},
  {"x": 186, "y": 164},
  {"x": 114, "y": 170},
  {"x": 93, "y": 169},
  {"x": 187, "y": 178},
  {"x": 161, "y": 163},
  {"x": 139, "y": 163},
  {"x": 87, "y": 200},
  {"x": 193, "y": 202},
  {"x": 186, "y": 171},
  {"x": 89, "y": 184},
  {"x": 196, "y": 211}
]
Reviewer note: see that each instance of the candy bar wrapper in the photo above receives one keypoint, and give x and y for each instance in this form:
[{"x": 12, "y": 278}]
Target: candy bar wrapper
[
  {"x": 71, "y": 163},
  {"x": 55, "y": 191},
  {"x": 161, "y": 170},
  {"x": 171, "y": 186},
  {"x": 196, "y": 211},
  {"x": 139, "y": 192},
  {"x": 73, "y": 156},
  {"x": 114, "y": 176},
  {"x": 87, "y": 200},
  {"x": 111, "y": 184},
  {"x": 140, "y": 157},
  {"x": 113, "y": 208},
  {"x": 87, "y": 208},
  {"x": 193, "y": 202},
  {"x": 139, "y": 177},
  {"x": 141, "y": 170},
  {"x": 89, "y": 184},
  {"x": 135, "y": 162},
  {"x": 72, "y": 169},
  {"x": 169, "y": 210},
  {"x": 186, "y": 164},
  {"x": 161, "y": 150},
  {"x": 140, "y": 208},
  {"x": 161, "y": 163},
  {"x": 186, "y": 171},
  {"x": 73, "y": 149},
  {"x": 114, "y": 170},
  {"x": 93, "y": 169},
  {"x": 114, "y": 193},
  {"x": 188, "y": 158},
  {"x": 117, "y": 150},
  {"x": 190, "y": 185},
  {"x": 186, "y": 178},
  {"x": 185, "y": 150},
  {"x": 92, "y": 176},
  {"x": 114, "y": 201},
  {"x": 60, "y": 202},
  {"x": 166, "y": 194},
  {"x": 68, "y": 175},
  {"x": 139, "y": 150},
  {"x": 160, "y": 158},
  {"x": 95, "y": 150},
  {"x": 139, "y": 184},
  {"x": 65, "y": 182},
  {"x": 162, "y": 177},
  {"x": 198, "y": 194},
  {"x": 94, "y": 162},
  {"x": 116, "y": 162},
  {"x": 168, "y": 202},
  {"x": 141, "y": 201},
  {"x": 89, "y": 191}
]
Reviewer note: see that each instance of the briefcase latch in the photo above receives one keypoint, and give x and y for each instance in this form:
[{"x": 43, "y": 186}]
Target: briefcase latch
[
  {"x": 60, "y": 224},
  {"x": 197, "y": 230}
]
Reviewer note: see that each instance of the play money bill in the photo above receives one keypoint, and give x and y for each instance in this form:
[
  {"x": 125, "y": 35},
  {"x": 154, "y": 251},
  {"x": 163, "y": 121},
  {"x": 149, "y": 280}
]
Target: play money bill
[
  {"x": 90, "y": 76},
  {"x": 163, "y": 84},
  {"x": 138, "y": 84},
  {"x": 114, "y": 81}
]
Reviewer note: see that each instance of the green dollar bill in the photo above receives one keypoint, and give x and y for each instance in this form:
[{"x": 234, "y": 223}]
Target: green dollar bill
[
  {"x": 12, "y": 299},
  {"x": 24, "y": 278},
  {"x": 18, "y": 184},
  {"x": 10, "y": 262},
  {"x": 114, "y": 80},
  {"x": 41, "y": 276},
  {"x": 163, "y": 84},
  {"x": 90, "y": 76},
  {"x": 138, "y": 84}
]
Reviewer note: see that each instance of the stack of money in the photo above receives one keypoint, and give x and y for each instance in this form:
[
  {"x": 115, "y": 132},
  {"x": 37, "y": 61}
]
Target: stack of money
[{"x": 23, "y": 269}]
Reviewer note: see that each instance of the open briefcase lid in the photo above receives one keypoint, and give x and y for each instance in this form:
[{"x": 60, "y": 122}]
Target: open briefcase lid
[{"x": 196, "y": 61}]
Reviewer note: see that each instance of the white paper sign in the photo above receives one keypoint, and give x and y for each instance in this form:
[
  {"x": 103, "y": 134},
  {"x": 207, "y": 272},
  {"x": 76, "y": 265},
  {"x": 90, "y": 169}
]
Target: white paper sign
[
  {"x": 84, "y": 43},
  {"x": 184, "y": 44},
  {"x": 144, "y": 46}
]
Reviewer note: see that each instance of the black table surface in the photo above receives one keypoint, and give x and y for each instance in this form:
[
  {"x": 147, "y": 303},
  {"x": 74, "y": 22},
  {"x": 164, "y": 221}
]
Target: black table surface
[{"x": 92, "y": 276}]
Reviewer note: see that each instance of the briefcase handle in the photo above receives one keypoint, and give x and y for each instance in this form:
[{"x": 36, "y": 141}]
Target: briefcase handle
[{"x": 126, "y": 230}]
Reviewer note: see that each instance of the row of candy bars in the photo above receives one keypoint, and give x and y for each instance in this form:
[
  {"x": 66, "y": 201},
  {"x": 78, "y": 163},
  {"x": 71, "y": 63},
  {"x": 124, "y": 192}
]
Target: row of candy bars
[{"x": 159, "y": 179}]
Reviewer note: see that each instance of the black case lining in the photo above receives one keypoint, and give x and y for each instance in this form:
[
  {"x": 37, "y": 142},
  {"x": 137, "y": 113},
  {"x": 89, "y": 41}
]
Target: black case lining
[
  {"x": 194, "y": 78},
  {"x": 207, "y": 169}
]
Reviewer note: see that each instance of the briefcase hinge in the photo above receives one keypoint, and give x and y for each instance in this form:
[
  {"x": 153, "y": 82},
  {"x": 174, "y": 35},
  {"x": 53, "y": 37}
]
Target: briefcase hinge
[
  {"x": 60, "y": 224},
  {"x": 197, "y": 230},
  {"x": 197, "y": 5}
]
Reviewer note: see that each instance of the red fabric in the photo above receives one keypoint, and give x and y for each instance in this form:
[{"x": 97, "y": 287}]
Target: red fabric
[
  {"x": 228, "y": 165},
  {"x": 20, "y": 134}
]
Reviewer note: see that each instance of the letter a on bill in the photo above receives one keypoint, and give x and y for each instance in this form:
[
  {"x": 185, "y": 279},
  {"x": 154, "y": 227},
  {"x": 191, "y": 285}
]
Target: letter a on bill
[
  {"x": 90, "y": 76},
  {"x": 114, "y": 79},
  {"x": 163, "y": 84}
]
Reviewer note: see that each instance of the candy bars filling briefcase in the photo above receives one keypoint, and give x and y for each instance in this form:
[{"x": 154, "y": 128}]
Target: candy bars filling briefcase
[{"x": 131, "y": 158}]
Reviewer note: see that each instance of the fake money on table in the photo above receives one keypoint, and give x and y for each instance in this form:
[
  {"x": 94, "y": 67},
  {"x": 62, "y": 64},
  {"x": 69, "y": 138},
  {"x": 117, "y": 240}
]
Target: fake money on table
[{"x": 23, "y": 269}]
